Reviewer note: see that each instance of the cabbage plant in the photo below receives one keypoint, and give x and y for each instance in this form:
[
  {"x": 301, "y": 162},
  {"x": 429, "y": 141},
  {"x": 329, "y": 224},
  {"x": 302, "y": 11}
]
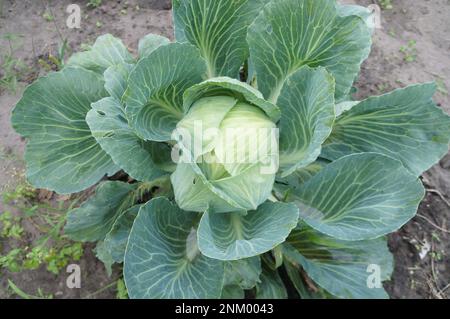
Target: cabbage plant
[{"x": 318, "y": 179}]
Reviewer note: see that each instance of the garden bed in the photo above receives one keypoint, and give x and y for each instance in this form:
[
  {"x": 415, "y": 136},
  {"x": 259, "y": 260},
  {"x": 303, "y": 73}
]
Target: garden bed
[{"x": 412, "y": 47}]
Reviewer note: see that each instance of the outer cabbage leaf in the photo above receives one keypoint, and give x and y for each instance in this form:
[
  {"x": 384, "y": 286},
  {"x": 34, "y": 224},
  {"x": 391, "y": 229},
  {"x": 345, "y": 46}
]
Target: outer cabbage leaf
[
  {"x": 344, "y": 107},
  {"x": 235, "y": 236},
  {"x": 96, "y": 217},
  {"x": 110, "y": 128},
  {"x": 243, "y": 273},
  {"x": 300, "y": 176},
  {"x": 161, "y": 259},
  {"x": 107, "y": 51},
  {"x": 361, "y": 196},
  {"x": 404, "y": 124},
  {"x": 61, "y": 153},
  {"x": 364, "y": 13},
  {"x": 271, "y": 286},
  {"x": 218, "y": 28},
  {"x": 300, "y": 284},
  {"x": 115, "y": 242},
  {"x": 116, "y": 79},
  {"x": 103, "y": 253},
  {"x": 340, "y": 267},
  {"x": 307, "y": 107},
  {"x": 154, "y": 98},
  {"x": 284, "y": 187},
  {"x": 150, "y": 43},
  {"x": 232, "y": 292},
  {"x": 291, "y": 33}
]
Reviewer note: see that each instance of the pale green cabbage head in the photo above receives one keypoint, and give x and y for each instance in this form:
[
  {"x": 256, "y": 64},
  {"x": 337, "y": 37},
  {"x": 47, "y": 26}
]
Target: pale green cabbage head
[{"x": 232, "y": 145}]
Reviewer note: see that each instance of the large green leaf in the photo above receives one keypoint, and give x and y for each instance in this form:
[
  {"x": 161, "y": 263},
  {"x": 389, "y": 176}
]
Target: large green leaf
[
  {"x": 300, "y": 284},
  {"x": 61, "y": 153},
  {"x": 364, "y": 13},
  {"x": 116, "y": 79},
  {"x": 96, "y": 217},
  {"x": 284, "y": 187},
  {"x": 103, "y": 253},
  {"x": 344, "y": 106},
  {"x": 292, "y": 33},
  {"x": 154, "y": 98},
  {"x": 162, "y": 259},
  {"x": 194, "y": 192},
  {"x": 116, "y": 240},
  {"x": 340, "y": 267},
  {"x": 150, "y": 43},
  {"x": 404, "y": 124},
  {"x": 307, "y": 115},
  {"x": 302, "y": 175},
  {"x": 110, "y": 128},
  {"x": 243, "y": 273},
  {"x": 296, "y": 180},
  {"x": 218, "y": 28},
  {"x": 271, "y": 286},
  {"x": 236, "y": 236},
  {"x": 360, "y": 196},
  {"x": 106, "y": 52},
  {"x": 232, "y": 292}
]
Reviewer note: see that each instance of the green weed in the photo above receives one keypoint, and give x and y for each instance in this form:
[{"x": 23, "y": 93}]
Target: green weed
[
  {"x": 121, "y": 289},
  {"x": 55, "y": 62},
  {"x": 16, "y": 290},
  {"x": 441, "y": 87},
  {"x": 12, "y": 260},
  {"x": 409, "y": 51},
  {"x": 51, "y": 248},
  {"x": 386, "y": 4},
  {"x": 48, "y": 16},
  {"x": 94, "y": 3},
  {"x": 11, "y": 68}
]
